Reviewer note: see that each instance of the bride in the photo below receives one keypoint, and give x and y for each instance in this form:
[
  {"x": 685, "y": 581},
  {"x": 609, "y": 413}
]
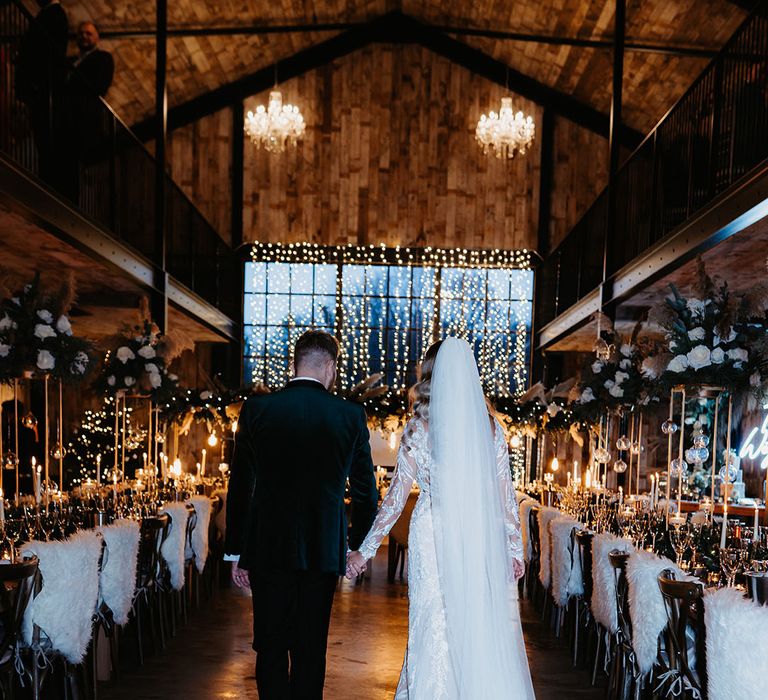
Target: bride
[{"x": 465, "y": 640}]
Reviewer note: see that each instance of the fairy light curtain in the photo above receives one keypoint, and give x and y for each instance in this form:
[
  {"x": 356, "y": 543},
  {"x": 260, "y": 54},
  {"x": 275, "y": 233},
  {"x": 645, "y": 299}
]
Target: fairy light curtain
[{"x": 386, "y": 306}]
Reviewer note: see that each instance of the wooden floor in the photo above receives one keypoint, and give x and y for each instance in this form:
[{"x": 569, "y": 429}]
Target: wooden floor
[{"x": 211, "y": 658}]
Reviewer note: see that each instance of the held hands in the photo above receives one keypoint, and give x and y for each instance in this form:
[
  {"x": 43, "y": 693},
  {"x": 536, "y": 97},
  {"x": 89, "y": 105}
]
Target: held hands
[
  {"x": 518, "y": 569},
  {"x": 356, "y": 565}
]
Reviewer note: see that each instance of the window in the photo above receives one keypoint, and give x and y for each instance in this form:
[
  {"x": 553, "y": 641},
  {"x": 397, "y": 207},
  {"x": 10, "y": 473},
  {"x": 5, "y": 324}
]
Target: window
[{"x": 386, "y": 315}]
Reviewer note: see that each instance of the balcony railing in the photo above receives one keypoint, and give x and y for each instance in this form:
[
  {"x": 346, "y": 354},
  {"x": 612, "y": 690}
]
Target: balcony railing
[
  {"x": 715, "y": 134},
  {"x": 74, "y": 143}
]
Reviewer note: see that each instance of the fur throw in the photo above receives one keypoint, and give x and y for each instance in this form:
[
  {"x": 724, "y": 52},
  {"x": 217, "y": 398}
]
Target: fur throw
[
  {"x": 737, "y": 645},
  {"x": 66, "y": 603},
  {"x": 566, "y": 566},
  {"x": 199, "y": 538},
  {"x": 173, "y": 549},
  {"x": 520, "y": 496},
  {"x": 525, "y": 514},
  {"x": 646, "y": 605},
  {"x": 118, "y": 571},
  {"x": 546, "y": 515},
  {"x": 604, "y": 581}
]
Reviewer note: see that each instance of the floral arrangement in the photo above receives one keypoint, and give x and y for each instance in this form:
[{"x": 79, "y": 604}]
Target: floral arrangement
[
  {"x": 137, "y": 362},
  {"x": 36, "y": 335},
  {"x": 219, "y": 407},
  {"x": 712, "y": 337}
]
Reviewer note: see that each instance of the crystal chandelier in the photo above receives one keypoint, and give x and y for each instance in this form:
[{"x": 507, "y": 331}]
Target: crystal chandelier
[
  {"x": 506, "y": 133},
  {"x": 276, "y": 126}
]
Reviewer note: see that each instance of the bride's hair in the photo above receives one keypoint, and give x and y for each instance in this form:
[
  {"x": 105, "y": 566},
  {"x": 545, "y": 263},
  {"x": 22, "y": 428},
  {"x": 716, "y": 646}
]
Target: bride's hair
[
  {"x": 419, "y": 394},
  {"x": 420, "y": 391}
]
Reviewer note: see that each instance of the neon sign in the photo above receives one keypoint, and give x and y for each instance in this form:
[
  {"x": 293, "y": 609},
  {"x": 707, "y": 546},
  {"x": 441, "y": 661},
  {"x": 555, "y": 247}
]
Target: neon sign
[{"x": 756, "y": 445}]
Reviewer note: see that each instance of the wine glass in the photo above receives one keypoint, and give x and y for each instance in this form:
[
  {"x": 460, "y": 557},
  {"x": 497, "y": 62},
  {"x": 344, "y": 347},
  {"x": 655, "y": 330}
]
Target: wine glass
[
  {"x": 679, "y": 536},
  {"x": 731, "y": 559}
]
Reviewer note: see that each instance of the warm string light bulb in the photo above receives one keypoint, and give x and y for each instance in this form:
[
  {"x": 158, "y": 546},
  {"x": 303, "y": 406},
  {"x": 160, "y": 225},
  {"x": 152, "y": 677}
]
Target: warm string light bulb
[{"x": 213, "y": 440}]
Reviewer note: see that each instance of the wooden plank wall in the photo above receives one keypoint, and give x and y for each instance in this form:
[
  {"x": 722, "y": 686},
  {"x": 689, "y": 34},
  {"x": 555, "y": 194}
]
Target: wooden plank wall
[
  {"x": 200, "y": 160},
  {"x": 580, "y": 173},
  {"x": 390, "y": 156}
]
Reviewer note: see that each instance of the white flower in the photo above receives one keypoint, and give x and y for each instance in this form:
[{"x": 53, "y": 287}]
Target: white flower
[
  {"x": 621, "y": 377},
  {"x": 45, "y": 360},
  {"x": 129, "y": 381},
  {"x": 754, "y": 380},
  {"x": 46, "y": 315},
  {"x": 625, "y": 364},
  {"x": 147, "y": 352},
  {"x": 648, "y": 369},
  {"x": 731, "y": 337},
  {"x": 152, "y": 368},
  {"x": 64, "y": 326},
  {"x": 124, "y": 354},
  {"x": 111, "y": 380},
  {"x": 597, "y": 367},
  {"x": 696, "y": 306},
  {"x": 205, "y": 395},
  {"x": 44, "y": 331},
  {"x": 4, "y": 350},
  {"x": 80, "y": 363},
  {"x": 738, "y": 354},
  {"x": 609, "y": 384},
  {"x": 616, "y": 391},
  {"x": 626, "y": 350},
  {"x": 553, "y": 409},
  {"x": 717, "y": 356},
  {"x": 155, "y": 380},
  {"x": 697, "y": 333},
  {"x": 5, "y": 322},
  {"x": 699, "y": 357},
  {"x": 587, "y": 395},
  {"x": 679, "y": 363}
]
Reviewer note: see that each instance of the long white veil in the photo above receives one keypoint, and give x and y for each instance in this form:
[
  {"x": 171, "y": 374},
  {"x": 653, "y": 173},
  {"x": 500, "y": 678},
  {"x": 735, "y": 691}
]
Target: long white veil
[{"x": 486, "y": 648}]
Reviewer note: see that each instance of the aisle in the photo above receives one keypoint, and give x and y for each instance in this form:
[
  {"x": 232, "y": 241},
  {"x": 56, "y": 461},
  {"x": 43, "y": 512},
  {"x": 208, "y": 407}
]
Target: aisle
[{"x": 211, "y": 658}]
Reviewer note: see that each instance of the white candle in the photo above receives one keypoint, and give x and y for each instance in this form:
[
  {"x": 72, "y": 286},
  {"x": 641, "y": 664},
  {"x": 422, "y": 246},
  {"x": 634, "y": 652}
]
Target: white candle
[
  {"x": 575, "y": 470},
  {"x": 199, "y": 469},
  {"x": 38, "y": 483},
  {"x": 114, "y": 486},
  {"x": 756, "y": 529},
  {"x": 2, "y": 507},
  {"x": 724, "y": 529},
  {"x": 202, "y": 463},
  {"x": 588, "y": 479},
  {"x": 98, "y": 469},
  {"x": 621, "y": 495},
  {"x": 144, "y": 456}
]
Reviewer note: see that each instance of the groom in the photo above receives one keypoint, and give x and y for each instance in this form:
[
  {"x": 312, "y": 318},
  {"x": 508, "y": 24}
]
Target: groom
[{"x": 286, "y": 516}]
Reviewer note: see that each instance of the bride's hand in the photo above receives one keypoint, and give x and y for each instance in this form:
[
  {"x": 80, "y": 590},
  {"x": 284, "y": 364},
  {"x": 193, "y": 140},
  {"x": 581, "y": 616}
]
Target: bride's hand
[
  {"x": 355, "y": 565},
  {"x": 518, "y": 568}
]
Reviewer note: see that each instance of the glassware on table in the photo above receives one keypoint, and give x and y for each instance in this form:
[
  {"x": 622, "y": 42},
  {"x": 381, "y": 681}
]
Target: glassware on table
[
  {"x": 680, "y": 537},
  {"x": 731, "y": 561}
]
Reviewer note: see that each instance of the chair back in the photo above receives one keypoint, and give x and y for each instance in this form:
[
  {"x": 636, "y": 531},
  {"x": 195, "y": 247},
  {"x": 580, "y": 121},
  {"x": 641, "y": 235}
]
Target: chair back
[
  {"x": 191, "y": 525},
  {"x": 534, "y": 534},
  {"x": 17, "y": 584},
  {"x": 618, "y": 561},
  {"x": 584, "y": 542},
  {"x": 757, "y": 587},
  {"x": 153, "y": 533},
  {"x": 682, "y": 601}
]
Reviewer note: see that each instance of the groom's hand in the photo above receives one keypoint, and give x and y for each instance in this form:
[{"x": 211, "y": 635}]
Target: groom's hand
[
  {"x": 240, "y": 576},
  {"x": 355, "y": 565}
]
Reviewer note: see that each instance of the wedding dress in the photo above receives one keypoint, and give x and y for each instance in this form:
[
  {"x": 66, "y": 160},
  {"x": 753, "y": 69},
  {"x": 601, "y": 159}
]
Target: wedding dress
[{"x": 465, "y": 638}]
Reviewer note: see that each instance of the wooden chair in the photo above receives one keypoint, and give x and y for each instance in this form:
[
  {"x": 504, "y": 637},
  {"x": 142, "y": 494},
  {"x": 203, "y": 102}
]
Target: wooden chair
[
  {"x": 683, "y": 603},
  {"x": 532, "y": 574},
  {"x": 623, "y": 670},
  {"x": 585, "y": 622}
]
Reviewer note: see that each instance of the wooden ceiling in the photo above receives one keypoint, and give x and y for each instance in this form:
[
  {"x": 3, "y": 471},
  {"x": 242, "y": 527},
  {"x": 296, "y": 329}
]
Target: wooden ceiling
[{"x": 653, "y": 82}]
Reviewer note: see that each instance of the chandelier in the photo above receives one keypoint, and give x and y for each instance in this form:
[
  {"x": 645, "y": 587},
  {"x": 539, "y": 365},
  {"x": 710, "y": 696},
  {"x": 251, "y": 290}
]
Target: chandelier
[
  {"x": 506, "y": 133},
  {"x": 275, "y": 126}
]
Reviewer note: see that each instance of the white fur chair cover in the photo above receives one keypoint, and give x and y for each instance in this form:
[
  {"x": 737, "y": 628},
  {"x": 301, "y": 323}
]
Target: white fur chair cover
[
  {"x": 546, "y": 515},
  {"x": 737, "y": 646},
  {"x": 64, "y": 608},
  {"x": 566, "y": 565},
  {"x": 520, "y": 496},
  {"x": 173, "y": 549},
  {"x": 118, "y": 571},
  {"x": 646, "y": 605},
  {"x": 604, "y": 581},
  {"x": 199, "y": 538},
  {"x": 525, "y": 513}
]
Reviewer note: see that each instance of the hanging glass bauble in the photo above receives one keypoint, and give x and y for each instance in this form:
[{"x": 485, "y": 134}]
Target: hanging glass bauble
[
  {"x": 669, "y": 427},
  {"x": 10, "y": 460},
  {"x": 58, "y": 451},
  {"x": 623, "y": 443},
  {"x": 701, "y": 441},
  {"x": 602, "y": 455},
  {"x": 692, "y": 456},
  {"x": 703, "y": 454},
  {"x": 29, "y": 421},
  {"x": 678, "y": 467},
  {"x": 636, "y": 448},
  {"x": 619, "y": 466},
  {"x": 730, "y": 470}
]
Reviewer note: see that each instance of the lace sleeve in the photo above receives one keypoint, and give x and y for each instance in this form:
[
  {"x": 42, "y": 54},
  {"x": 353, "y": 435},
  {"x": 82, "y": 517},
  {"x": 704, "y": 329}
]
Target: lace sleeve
[
  {"x": 507, "y": 488},
  {"x": 394, "y": 501}
]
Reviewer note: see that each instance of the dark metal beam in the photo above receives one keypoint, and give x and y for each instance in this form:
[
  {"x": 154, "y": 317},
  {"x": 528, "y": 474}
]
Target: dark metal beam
[
  {"x": 317, "y": 27},
  {"x": 393, "y": 28},
  {"x": 159, "y": 300}
]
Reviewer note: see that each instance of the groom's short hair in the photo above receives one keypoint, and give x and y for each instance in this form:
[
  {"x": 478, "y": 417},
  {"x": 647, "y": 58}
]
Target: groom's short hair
[{"x": 314, "y": 348}]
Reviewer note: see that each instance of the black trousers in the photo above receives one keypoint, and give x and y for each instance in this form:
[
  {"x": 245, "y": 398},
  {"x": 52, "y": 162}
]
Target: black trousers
[{"x": 291, "y": 614}]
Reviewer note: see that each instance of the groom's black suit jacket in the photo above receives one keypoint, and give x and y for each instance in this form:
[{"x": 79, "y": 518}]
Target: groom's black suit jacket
[{"x": 294, "y": 451}]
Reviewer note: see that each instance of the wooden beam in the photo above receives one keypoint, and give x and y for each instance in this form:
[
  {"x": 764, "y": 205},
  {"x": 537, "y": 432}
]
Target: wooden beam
[
  {"x": 392, "y": 28},
  {"x": 237, "y": 165}
]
